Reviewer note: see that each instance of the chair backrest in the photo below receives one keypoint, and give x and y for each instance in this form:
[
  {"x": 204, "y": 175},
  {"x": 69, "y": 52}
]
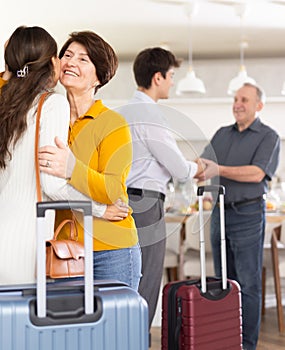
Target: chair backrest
[
  {"x": 282, "y": 233},
  {"x": 173, "y": 237},
  {"x": 192, "y": 240}
]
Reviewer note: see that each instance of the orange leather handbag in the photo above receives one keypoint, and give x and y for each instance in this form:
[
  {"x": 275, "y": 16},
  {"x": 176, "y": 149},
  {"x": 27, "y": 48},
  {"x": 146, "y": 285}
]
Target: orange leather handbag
[{"x": 65, "y": 258}]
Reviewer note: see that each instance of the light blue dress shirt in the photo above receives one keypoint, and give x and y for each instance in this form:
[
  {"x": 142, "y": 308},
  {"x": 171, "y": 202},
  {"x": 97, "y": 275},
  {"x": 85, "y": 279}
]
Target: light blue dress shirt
[{"x": 156, "y": 156}]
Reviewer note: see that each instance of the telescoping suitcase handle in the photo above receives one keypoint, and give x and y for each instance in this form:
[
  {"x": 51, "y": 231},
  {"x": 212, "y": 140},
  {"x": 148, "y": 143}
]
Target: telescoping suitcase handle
[
  {"x": 221, "y": 191},
  {"x": 86, "y": 207}
]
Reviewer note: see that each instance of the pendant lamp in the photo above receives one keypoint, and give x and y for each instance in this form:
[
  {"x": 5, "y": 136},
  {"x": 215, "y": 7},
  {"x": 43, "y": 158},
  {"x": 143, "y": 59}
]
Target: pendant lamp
[
  {"x": 242, "y": 76},
  {"x": 190, "y": 83}
]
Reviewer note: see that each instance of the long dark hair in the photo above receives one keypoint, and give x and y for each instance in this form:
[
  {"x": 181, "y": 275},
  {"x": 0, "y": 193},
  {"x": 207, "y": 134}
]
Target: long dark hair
[{"x": 28, "y": 56}]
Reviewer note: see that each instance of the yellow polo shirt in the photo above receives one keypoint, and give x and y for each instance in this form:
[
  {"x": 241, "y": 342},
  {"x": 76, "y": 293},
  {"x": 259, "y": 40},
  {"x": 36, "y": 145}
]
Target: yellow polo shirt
[{"x": 101, "y": 143}]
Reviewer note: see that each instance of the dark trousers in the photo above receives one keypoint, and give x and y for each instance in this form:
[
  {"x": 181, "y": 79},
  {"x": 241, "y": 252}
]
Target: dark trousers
[
  {"x": 244, "y": 241},
  {"x": 148, "y": 214}
]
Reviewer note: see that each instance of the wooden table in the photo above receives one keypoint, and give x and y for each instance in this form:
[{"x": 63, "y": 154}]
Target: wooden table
[{"x": 275, "y": 217}]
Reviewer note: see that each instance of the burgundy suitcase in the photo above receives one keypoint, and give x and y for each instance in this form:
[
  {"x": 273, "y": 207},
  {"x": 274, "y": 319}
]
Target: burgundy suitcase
[{"x": 203, "y": 314}]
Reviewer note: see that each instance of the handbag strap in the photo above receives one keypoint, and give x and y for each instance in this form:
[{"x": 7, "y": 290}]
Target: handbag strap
[
  {"x": 73, "y": 229},
  {"x": 37, "y": 137}
]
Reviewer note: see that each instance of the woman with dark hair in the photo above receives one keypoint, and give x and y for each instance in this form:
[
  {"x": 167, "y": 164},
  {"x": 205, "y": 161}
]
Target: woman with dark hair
[
  {"x": 32, "y": 67},
  {"x": 99, "y": 156}
]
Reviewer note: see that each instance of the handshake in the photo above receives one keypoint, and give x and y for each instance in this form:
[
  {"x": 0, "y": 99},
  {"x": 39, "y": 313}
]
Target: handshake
[{"x": 206, "y": 169}]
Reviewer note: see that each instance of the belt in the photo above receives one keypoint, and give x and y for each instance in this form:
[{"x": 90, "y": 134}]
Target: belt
[
  {"x": 241, "y": 203},
  {"x": 146, "y": 193}
]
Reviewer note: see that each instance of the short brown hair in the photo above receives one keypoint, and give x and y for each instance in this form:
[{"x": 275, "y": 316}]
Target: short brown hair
[
  {"x": 100, "y": 53},
  {"x": 150, "y": 61}
]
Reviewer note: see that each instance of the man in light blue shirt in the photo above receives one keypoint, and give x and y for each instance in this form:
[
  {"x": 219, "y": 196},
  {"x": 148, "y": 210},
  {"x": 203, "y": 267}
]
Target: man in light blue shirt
[{"x": 156, "y": 159}]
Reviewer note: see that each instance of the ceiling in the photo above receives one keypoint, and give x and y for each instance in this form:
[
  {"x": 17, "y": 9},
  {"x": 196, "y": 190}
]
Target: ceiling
[{"x": 131, "y": 25}]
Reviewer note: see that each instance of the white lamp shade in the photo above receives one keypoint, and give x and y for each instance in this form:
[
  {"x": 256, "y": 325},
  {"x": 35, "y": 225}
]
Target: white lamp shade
[
  {"x": 239, "y": 80},
  {"x": 190, "y": 84}
]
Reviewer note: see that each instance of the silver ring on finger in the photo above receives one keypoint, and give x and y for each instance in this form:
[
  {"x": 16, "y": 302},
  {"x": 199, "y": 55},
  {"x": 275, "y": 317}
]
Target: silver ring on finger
[{"x": 47, "y": 164}]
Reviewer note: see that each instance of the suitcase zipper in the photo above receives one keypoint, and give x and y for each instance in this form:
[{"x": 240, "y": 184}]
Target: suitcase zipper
[
  {"x": 172, "y": 314},
  {"x": 178, "y": 323}
]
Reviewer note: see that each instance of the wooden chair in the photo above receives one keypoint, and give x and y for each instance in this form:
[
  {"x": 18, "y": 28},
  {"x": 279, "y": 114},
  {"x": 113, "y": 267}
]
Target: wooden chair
[
  {"x": 174, "y": 256},
  {"x": 276, "y": 240},
  {"x": 171, "y": 259}
]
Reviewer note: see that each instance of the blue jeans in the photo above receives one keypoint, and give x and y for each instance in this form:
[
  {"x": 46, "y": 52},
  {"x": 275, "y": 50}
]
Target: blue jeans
[
  {"x": 121, "y": 264},
  {"x": 244, "y": 241}
]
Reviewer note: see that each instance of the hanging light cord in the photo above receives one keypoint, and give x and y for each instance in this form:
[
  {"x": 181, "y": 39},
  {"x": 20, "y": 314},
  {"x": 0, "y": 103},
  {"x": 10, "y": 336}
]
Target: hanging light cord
[
  {"x": 241, "y": 41},
  {"x": 190, "y": 48}
]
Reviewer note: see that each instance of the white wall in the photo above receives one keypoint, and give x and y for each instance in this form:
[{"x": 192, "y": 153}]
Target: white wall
[
  {"x": 213, "y": 109},
  {"x": 216, "y": 74},
  {"x": 196, "y": 118}
]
